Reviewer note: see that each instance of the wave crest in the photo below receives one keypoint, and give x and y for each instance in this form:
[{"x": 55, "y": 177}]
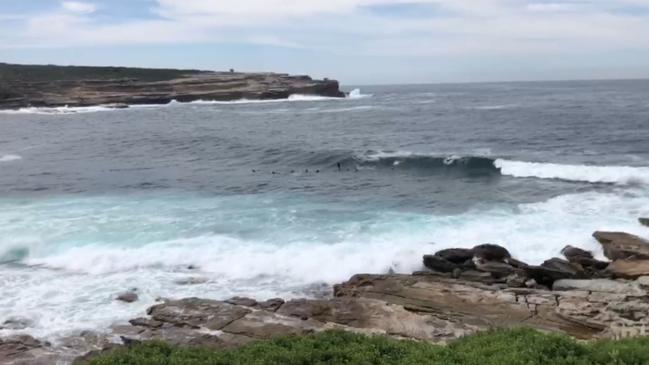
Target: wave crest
[{"x": 622, "y": 175}]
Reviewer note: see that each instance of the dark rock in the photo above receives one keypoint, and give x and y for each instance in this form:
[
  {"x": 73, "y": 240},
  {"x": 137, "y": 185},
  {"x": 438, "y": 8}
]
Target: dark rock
[
  {"x": 491, "y": 252},
  {"x": 516, "y": 280},
  {"x": 547, "y": 276},
  {"x": 644, "y": 221},
  {"x": 192, "y": 281},
  {"x": 127, "y": 297},
  {"x": 571, "y": 253},
  {"x": 16, "y": 323},
  {"x": 246, "y": 302},
  {"x": 495, "y": 268},
  {"x": 557, "y": 264},
  {"x": 145, "y": 322},
  {"x": 439, "y": 264},
  {"x": 623, "y": 246},
  {"x": 456, "y": 255}
]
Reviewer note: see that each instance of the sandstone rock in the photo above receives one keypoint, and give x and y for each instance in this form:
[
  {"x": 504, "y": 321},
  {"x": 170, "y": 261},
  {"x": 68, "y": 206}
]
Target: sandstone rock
[
  {"x": 440, "y": 264},
  {"x": 127, "y": 297},
  {"x": 197, "y": 313},
  {"x": 491, "y": 252},
  {"x": 180, "y": 85},
  {"x": 629, "y": 269},
  {"x": 456, "y": 255},
  {"x": 622, "y": 246},
  {"x": 599, "y": 285}
]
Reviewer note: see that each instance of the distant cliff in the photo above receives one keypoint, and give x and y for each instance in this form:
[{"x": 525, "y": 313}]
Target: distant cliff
[{"x": 55, "y": 86}]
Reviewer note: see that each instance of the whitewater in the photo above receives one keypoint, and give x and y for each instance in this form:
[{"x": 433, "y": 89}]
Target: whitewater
[{"x": 286, "y": 198}]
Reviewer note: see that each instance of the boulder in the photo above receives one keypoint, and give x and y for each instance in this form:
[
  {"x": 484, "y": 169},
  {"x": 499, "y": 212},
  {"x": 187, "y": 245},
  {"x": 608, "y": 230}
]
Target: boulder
[
  {"x": 127, "y": 297},
  {"x": 495, "y": 268},
  {"x": 491, "y": 252},
  {"x": 622, "y": 246},
  {"x": 439, "y": 264},
  {"x": 573, "y": 253},
  {"x": 557, "y": 264},
  {"x": 546, "y": 276},
  {"x": 629, "y": 269},
  {"x": 599, "y": 285},
  {"x": 456, "y": 255},
  {"x": 644, "y": 221}
]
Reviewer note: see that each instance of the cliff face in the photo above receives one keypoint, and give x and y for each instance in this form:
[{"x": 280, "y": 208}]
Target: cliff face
[{"x": 54, "y": 86}]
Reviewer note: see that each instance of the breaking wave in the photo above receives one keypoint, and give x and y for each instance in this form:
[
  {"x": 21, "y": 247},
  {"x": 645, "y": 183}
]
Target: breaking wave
[{"x": 480, "y": 165}]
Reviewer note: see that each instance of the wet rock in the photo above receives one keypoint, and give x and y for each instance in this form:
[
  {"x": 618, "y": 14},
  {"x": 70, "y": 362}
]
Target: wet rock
[
  {"x": 491, "y": 252},
  {"x": 574, "y": 253},
  {"x": 495, "y": 268},
  {"x": 516, "y": 280},
  {"x": 127, "y": 297},
  {"x": 629, "y": 269},
  {"x": 456, "y": 255},
  {"x": 599, "y": 285},
  {"x": 440, "y": 264},
  {"x": 16, "y": 323},
  {"x": 246, "y": 302},
  {"x": 644, "y": 221},
  {"x": 192, "y": 281},
  {"x": 271, "y": 305},
  {"x": 516, "y": 263},
  {"x": 623, "y": 246},
  {"x": 570, "y": 269},
  {"x": 546, "y": 276}
]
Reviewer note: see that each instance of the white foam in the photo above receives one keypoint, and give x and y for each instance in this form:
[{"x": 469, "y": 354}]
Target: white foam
[
  {"x": 356, "y": 94},
  {"x": 623, "y": 175},
  {"x": 10, "y": 158},
  {"x": 89, "y": 249}
]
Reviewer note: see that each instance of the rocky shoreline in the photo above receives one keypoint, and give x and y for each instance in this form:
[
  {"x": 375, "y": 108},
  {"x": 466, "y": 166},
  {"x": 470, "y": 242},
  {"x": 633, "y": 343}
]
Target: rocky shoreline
[
  {"x": 56, "y": 86},
  {"x": 460, "y": 292}
]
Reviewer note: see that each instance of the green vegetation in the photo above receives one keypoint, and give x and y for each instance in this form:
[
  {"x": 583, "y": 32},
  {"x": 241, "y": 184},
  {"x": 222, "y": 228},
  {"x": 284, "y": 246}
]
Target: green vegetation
[
  {"x": 37, "y": 73},
  {"x": 500, "y": 347}
]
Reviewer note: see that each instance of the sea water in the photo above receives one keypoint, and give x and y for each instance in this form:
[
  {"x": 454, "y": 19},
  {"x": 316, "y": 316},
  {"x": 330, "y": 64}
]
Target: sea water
[{"x": 285, "y": 198}]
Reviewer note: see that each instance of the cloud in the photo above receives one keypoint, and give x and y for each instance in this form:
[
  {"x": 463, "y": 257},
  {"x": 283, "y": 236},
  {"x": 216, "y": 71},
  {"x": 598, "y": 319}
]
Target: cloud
[
  {"x": 79, "y": 7},
  {"x": 443, "y": 28}
]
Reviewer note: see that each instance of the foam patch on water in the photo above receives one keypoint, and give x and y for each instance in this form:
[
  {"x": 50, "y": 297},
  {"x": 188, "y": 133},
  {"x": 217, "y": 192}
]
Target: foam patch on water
[
  {"x": 83, "y": 251},
  {"x": 10, "y": 158}
]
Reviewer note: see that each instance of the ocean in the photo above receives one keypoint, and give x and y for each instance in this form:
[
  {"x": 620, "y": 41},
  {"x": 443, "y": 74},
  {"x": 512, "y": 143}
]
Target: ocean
[{"x": 285, "y": 198}]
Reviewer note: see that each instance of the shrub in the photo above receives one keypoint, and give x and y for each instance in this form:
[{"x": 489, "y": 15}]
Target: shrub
[{"x": 497, "y": 347}]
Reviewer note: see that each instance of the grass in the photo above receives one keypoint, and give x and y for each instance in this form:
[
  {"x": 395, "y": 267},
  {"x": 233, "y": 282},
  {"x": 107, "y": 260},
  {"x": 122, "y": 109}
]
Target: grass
[{"x": 498, "y": 347}]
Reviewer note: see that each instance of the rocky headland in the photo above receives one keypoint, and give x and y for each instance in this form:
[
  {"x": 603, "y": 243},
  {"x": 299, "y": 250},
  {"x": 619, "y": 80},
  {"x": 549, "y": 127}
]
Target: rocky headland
[
  {"x": 24, "y": 86},
  {"x": 457, "y": 292}
]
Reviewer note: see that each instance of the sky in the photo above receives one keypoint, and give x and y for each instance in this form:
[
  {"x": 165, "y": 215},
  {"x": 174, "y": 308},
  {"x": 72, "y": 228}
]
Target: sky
[{"x": 355, "y": 41}]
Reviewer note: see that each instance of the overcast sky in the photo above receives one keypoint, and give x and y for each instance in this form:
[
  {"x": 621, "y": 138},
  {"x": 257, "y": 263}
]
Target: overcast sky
[{"x": 355, "y": 41}]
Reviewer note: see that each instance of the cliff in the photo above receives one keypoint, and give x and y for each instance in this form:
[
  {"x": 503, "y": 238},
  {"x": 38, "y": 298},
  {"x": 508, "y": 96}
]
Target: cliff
[{"x": 55, "y": 86}]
